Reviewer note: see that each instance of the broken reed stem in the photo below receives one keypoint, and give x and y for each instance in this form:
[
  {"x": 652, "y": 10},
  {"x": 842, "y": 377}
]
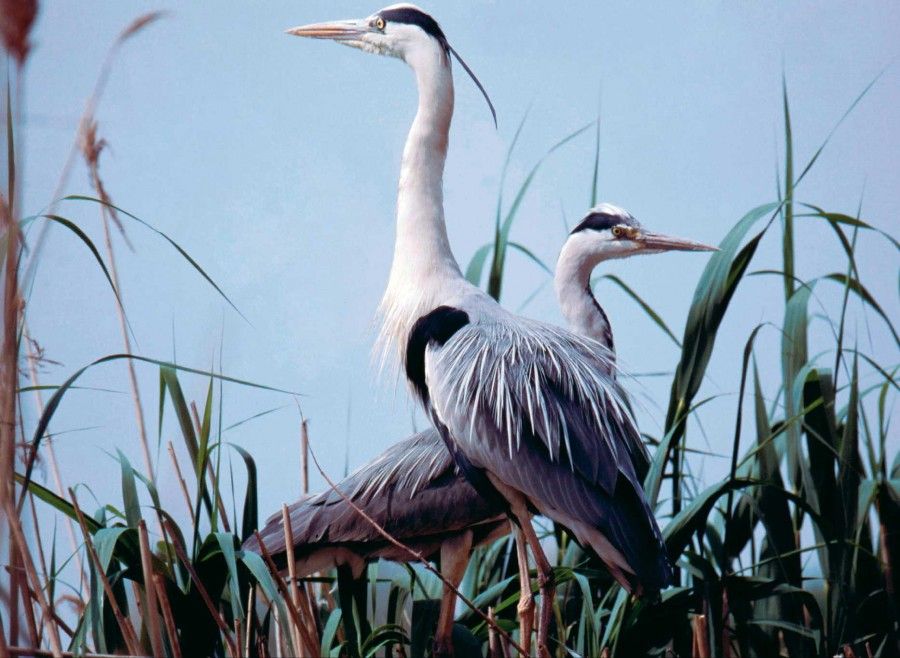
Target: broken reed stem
[
  {"x": 213, "y": 481},
  {"x": 128, "y": 632},
  {"x": 151, "y": 613},
  {"x": 304, "y": 453},
  {"x": 292, "y": 569},
  {"x": 168, "y": 620},
  {"x": 184, "y": 489},
  {"x": 416, "y": 556},
  {"x": 217, "y": 617},
  {"x": 303, "y": 602},
  {"x": 282, "y": 589}
]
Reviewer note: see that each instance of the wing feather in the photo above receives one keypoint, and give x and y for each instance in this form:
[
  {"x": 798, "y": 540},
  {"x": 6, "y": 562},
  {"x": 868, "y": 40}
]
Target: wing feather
[
  {"x": 559, "y": 430},
  {"x": 413, "y": 490}
]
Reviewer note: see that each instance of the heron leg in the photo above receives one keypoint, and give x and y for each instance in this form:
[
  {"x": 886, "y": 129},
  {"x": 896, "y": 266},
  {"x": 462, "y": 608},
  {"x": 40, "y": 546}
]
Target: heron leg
[
  {"x": 454, "y": 558},
  {"x": 525, "y": 608},
  {"x": 545, "y": 579}
]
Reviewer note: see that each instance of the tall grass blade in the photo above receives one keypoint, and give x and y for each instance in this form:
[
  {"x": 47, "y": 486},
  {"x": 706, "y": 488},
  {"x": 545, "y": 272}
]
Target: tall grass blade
[
  {"x": 178, "y": 248},
  {"x": 495, "y": 278},
  {"x": 787, "y": 210},
  {"x": 648, "y": 310}
]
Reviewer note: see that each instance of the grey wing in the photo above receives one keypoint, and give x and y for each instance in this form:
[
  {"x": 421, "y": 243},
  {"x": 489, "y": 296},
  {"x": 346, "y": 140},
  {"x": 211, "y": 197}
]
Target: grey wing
[
  {"x": 412, "y": 490},
  {"x": 529, "y": 405}
]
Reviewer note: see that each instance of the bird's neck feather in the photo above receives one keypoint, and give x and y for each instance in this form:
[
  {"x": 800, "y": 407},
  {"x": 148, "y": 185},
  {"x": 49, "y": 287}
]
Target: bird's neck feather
[
  {"x": 579, "y": 307},
  {"x": 424, "y": 270}
]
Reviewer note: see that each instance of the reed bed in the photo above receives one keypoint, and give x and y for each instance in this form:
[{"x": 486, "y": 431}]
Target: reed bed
[{"x": 792, "y": 554}]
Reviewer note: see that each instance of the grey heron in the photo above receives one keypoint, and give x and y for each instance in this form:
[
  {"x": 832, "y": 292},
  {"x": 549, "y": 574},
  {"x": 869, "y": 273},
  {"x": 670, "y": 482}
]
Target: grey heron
[
  {"x": 530, "y": 412},
  {"x": 414, "y": 490}
]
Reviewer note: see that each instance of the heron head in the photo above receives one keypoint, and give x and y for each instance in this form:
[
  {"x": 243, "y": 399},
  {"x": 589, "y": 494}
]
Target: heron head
[
  {"x": 397, "y": 31},
  {"x": 608, "y": 231},
  {"x": 403, "y": 31}
]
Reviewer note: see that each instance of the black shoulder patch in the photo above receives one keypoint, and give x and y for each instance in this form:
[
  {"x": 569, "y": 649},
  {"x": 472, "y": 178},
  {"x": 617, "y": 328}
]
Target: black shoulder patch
[
  {"x": 412, "y": 16},
  {"x": 436, "y": 327},
  {"x": 598, "y": 221}
]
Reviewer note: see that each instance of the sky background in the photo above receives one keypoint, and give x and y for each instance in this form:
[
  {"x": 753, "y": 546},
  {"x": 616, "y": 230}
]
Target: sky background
[{"x": 274, "y": 161}]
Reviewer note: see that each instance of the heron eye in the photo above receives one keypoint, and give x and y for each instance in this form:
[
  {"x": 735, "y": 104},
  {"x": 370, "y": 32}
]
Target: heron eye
[
  {"x": 378, "y": 23},
  {"x": 618, "y": 231}
]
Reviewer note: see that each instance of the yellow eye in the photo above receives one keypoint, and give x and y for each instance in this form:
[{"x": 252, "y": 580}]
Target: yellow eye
[
  {"x": 378, "y": 23},
  {"x": 618, "y": 231}
]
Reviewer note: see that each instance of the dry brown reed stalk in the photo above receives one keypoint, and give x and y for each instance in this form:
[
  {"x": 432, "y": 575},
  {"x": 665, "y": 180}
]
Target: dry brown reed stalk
[
  {"x": 493, "y": 638},
  {"x": 282, "y": 589},
  {"x": 302, "y": 602},
  {"x": 17, "y": 571},
  {"x": 16, "y": 19},
  {"x": 292, "y": 568},
  {"x": 91, "y": 148},
  {"x": 128, "y": 632},
  {"x": 304, "y": 453},
  {"x": 418, "y": 557},
  {"x": 251, "y": 606},
  {"x": 151, "y": 613},
  {"x": 4, "y": 648},
  {"x": 184, "y": 489},
  {"x": 213, "y": 483},
  {"x": 168, "y": 620},
  {"x": 700, "y": 641},
  {"x": 216, "y": 615},
  {"x": 9, "y": 352},
  {"x": 20, "y": 544}
]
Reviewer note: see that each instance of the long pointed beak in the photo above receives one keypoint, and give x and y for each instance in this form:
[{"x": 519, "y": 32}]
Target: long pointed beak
[
  {"x": 335, "y": 30},
  {"x": 659, "y": 242}
]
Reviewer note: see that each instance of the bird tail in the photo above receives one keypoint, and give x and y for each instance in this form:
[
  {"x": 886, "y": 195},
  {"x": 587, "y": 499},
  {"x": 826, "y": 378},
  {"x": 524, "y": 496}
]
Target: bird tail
[{"x": 628, "y": 541}]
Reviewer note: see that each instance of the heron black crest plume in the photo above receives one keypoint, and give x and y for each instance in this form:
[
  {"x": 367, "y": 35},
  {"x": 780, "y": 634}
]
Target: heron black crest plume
[
  {"x": 415, "y": 16},
  {"x": 476, "y": 81}
]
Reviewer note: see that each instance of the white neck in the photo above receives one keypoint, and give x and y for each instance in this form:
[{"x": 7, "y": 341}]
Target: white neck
[
  {"x": 423, "y": 270},
  {"x": 573, "y": 292}
]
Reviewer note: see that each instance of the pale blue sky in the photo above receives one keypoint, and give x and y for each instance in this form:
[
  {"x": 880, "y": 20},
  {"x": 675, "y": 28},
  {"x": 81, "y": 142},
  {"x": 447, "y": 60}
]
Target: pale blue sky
[{"x": 274, "y": 160}]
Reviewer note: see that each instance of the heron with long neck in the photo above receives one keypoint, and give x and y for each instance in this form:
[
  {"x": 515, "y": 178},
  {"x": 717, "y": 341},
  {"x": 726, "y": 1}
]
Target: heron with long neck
[
  {"x": 413, "y": 489},
  {"x": 531, "y": 413}
]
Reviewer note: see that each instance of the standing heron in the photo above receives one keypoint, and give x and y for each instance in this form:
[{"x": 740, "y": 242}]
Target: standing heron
[
  {"x": 414, "y": 490},
  {"x": 530, "y": 412}
]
